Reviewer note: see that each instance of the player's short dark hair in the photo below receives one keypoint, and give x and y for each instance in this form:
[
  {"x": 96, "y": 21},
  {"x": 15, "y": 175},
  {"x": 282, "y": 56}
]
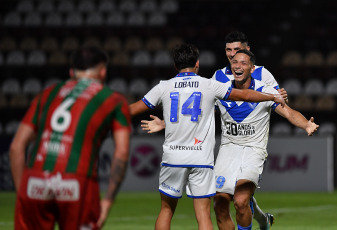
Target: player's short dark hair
[
  {"x": 248, "y": 53},
  {"x": 236, "y": 36},
  {"x": 185, "y": 56},
  {"x": 88, "y": 57}
]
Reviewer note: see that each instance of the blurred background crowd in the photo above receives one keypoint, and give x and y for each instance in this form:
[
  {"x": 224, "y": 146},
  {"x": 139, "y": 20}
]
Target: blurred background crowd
[{"x": 295, "y": 40}]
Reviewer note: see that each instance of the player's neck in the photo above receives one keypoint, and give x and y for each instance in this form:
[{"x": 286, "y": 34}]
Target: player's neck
[
  {"x": 243, "y": 84},
  {"x": 193, "y": 70}
]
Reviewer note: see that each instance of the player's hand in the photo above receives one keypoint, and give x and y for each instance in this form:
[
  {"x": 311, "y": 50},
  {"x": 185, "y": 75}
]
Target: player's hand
[
  {"x": 153, "y": 126},
  {"x": 279, "y": 99},
  {"x": 105, "y": 207},
  {"x": 311, "y": 127},
  {"x": 284, "y": 94}
]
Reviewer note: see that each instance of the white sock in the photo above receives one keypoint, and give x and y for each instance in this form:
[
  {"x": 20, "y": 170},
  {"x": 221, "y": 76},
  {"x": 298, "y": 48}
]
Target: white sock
[{"x": 259, "y": 215}]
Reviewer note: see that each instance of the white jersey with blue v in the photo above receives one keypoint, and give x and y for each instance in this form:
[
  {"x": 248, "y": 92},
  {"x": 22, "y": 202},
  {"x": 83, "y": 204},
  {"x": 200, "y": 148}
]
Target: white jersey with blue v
[
  {"x": 247, "y": 123},
  {"x": 188, "y": 110}
]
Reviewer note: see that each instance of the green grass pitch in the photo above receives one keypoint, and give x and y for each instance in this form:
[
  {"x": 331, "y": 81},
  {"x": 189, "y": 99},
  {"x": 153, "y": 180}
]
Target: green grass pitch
[{"x": 292, "y": 211}]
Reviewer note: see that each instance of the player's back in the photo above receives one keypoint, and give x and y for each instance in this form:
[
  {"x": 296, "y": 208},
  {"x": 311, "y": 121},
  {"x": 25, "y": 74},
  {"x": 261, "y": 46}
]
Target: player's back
[
  {"x": 70, "y": 120},
  {"x": 188, "y": 108}
]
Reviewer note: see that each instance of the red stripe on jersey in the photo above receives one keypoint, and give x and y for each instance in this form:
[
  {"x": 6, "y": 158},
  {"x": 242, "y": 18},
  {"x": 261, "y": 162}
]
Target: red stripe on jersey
[
  {"x": 76, "y": 112},
  {"x": 29, "y": 116},
  {"x": 106, "y": 108},
  {"x": 46, "y": 136}
]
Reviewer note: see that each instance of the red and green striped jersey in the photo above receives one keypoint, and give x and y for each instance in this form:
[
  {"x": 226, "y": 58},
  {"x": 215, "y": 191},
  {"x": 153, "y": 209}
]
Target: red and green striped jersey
[{"x": 70, "y": 120}]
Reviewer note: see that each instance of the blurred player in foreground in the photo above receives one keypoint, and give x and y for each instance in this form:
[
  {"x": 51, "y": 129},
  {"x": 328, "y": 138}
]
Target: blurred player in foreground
[
  {"x": 188, "y": 158},
  {"x": 242, "y": 152},
  {"x": 67, "y": 122}
]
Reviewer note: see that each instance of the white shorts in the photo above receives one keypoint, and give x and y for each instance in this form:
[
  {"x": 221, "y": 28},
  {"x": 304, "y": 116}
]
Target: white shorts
[
  {"x": 235, "y": 162},
  {"x": 199, "y": 182}
]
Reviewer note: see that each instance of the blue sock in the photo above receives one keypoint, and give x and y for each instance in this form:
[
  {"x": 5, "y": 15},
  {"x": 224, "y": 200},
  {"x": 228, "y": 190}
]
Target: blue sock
[{"x": 245, "y": 228}]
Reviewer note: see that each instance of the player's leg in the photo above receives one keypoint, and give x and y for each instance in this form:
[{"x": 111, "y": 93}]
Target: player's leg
[
  {"x": 222, "y": 203},
  {"x": 265, "y": 220},
  {"x": 201, "y": 187},
  {"x": 171, "y": 183},
  {"x": 168, "y": 207},
  {"x": 244, "y": 190},
  {"x": 202, "y": 209},
  {"x": 226, "y": 169}
]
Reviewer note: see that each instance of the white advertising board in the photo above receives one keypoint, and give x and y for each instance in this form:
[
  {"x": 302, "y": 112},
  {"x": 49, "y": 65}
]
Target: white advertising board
[
  {"x": 294, "y": 164},
  {"x": 299, "y": 164}
]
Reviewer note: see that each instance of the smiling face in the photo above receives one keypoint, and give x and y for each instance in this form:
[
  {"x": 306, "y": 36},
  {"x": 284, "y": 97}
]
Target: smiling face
[
  {"x": 233, "y": 47},
  {"x": 242, "y": 68}
]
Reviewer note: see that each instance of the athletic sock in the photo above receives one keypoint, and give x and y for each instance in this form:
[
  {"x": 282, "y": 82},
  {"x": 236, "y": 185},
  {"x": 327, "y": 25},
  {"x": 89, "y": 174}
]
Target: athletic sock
[
  {"x": 245, "y": 228},
  {"x": 258, "y": 214}
]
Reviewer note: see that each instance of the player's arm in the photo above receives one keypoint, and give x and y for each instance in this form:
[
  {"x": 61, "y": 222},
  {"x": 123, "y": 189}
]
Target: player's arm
[
  {"x": 24, "y": 135},
  {"x": 254, "y": 96},
  {"x": 138, "y": 108},
  {"x": 297, "y": 119},
  {"x": 117, "y": 173}
]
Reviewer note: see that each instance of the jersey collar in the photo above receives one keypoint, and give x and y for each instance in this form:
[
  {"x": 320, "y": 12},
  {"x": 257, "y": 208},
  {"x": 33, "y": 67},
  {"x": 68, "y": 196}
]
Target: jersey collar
[{"x": 184, "y": 74}]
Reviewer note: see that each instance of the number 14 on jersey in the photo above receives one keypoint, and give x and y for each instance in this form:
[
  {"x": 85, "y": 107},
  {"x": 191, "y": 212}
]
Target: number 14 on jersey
[{"x": 190, "y": 107}]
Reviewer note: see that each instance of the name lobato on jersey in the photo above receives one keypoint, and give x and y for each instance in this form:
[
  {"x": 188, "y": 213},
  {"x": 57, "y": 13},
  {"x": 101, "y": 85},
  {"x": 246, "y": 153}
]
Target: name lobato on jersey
[
  {"x": 246, "y": 123},
  {"x": 260, "y": 73},
  {"x": 188, "y": 110}
]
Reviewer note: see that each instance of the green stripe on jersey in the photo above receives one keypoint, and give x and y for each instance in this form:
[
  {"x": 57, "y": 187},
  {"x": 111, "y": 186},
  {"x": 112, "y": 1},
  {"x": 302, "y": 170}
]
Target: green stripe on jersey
[
  {"x": 54, "y": 144},
  {"x": 44, "y": 113},
  {"x": 105, "y": 123},
  {"x": 80, "y": 133}
]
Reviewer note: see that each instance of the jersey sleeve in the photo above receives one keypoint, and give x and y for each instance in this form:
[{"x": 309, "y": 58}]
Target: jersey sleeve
[
  {"x": 269, "y": 79},
  {"x": 31, "y": 116},
  {"x": 269, "y": 89},
  {"x": 153, "y": 97},
  {"x": 222, "y": 90},
  {"x": 122, "y": 119}
]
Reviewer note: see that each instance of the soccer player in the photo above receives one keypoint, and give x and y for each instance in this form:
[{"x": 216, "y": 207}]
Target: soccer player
[
  {"x": 242, "y": 152},
  {"x": 188, "y": 109},
  {"x": 236, "y": 41},
  {"x": 67, "y": 122}
]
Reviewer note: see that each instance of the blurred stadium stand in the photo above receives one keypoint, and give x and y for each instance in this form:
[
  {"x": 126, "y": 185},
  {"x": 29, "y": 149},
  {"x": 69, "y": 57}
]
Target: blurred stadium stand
[{"x": 296, "y": 42}]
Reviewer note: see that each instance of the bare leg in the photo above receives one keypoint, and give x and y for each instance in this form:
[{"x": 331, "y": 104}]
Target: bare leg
[
  {"x": 168, "y": 206},
  {"x": 244, "y": 190},
  {"x": 222, "y": 203},
  {"x": 202, "y": 209}
]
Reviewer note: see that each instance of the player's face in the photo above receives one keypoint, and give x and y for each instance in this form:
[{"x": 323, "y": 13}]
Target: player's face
[
  {"x": 242, "y": 67},
  {"x": 232, "y": 48}
]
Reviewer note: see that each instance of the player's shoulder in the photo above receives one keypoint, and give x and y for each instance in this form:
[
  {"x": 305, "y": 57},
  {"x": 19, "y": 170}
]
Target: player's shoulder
[
  {"x": 223, "y": 75},
  {"x": 265, "y": 87}
]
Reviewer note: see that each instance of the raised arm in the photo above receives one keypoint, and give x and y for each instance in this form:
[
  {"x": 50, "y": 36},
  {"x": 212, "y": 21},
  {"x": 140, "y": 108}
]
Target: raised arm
[
  {"x": 297, "y": 119},
  {"x": 138, "y": 108},
  {"x": 254, "y": 96},
  {"x": 117, "y": 172},
  {"x": 22, "y": 139}
]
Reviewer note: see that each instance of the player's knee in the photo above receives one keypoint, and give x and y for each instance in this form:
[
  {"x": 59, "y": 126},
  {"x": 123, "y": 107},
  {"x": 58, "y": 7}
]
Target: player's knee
[{"x": 241, "y": 204}]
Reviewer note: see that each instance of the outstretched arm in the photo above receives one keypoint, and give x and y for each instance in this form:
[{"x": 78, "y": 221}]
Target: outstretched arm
[
  {"x": 297, "y": 119},
  {"x": 254, "y": 96},
  {"x": 153, "y": 126},
  {"x": 117, "y": 172},
  {"x": 137, "y": 108}
]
